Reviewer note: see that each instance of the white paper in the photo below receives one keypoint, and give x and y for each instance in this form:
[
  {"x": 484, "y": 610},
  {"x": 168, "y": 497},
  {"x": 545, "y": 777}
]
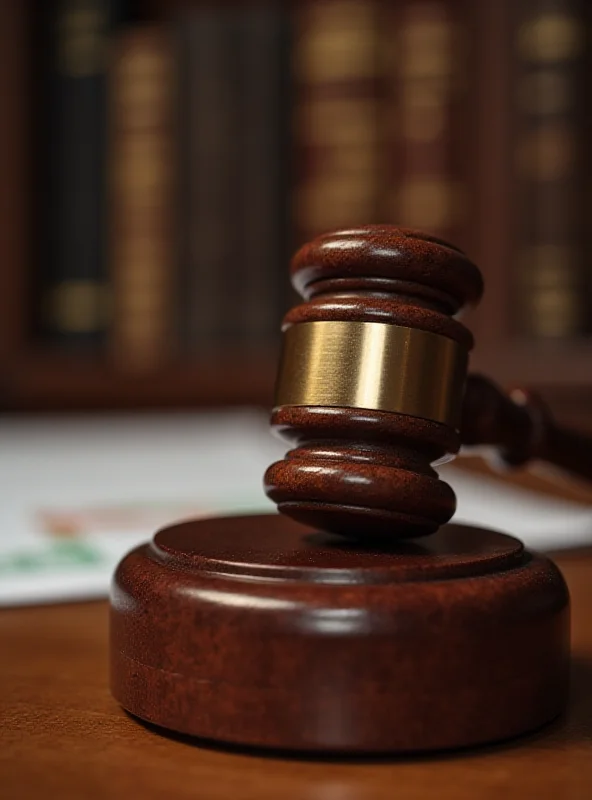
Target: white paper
[
  {"x": 75, "y": 495},
  {"x": 78, "y": 493},
  {"x": 542, "y": 522}
]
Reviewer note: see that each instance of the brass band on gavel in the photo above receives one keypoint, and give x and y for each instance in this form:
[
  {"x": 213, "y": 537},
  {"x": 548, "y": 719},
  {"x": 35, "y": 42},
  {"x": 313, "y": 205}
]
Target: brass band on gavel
[{"x": 372, "y": 365}]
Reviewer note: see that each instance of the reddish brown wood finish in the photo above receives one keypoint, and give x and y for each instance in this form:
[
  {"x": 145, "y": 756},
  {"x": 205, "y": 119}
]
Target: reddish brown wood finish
[
  {"x": 362, "y": 472},
  {"x": 519, "y": 428},
  {"x": 64, "y": 737},
  {"x": 256, "y": 630},
  {"x": 368, "y": 471},
  {"x": 427, "y": 267},
  {"x": 262, "y": 631}
]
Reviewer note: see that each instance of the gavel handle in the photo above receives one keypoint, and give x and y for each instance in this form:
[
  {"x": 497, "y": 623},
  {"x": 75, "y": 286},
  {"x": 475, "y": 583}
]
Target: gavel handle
[{"x": 520, "y": 428}]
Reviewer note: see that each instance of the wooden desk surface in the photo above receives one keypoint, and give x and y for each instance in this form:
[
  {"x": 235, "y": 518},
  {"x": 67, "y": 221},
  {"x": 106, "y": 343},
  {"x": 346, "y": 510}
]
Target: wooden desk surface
[{"x": 62, "y": 735}]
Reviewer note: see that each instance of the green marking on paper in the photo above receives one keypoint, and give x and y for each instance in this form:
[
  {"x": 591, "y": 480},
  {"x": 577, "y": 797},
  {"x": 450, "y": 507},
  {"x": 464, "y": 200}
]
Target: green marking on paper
[{"x": 52, "y": 557}]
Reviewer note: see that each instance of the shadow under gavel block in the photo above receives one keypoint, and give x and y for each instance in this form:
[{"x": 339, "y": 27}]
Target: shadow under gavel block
[{"x": 357, "y": 620}]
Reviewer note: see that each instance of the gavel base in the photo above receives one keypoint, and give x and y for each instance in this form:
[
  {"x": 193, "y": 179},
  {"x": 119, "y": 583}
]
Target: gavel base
[{"x": 258, "y": 631}]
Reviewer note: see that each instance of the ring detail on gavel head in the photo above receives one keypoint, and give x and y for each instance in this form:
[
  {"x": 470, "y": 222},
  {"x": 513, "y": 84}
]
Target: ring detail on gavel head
[{"x": 375, "y": 366}]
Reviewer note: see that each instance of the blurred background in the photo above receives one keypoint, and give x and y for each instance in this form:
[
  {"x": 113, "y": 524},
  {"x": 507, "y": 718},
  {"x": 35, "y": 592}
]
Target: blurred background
[{"x": 160, "y": 161}]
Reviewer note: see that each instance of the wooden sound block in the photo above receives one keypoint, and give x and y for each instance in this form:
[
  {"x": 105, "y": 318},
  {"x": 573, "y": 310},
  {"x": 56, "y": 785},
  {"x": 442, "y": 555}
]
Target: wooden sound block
[{"x": 259, "y": 631}]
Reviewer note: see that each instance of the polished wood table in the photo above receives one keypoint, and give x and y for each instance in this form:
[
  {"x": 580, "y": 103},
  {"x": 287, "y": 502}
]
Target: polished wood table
[{"x": 62, "y": 735}]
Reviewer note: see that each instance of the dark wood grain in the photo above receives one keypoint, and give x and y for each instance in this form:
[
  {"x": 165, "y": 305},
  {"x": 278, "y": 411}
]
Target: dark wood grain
[
  {"x": 259, "y": 631},
  {"x": 63, "y": 735}
]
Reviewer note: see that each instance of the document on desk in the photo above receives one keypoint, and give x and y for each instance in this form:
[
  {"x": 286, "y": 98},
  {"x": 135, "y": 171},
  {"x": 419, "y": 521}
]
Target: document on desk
[{"x": 77, "y": 494}]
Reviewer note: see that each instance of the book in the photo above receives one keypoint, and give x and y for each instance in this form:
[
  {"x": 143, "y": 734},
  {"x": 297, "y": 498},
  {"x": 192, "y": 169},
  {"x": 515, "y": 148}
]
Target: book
[
  {"x": 72, "y": 262},
  {"x": 259, "y": 279},
  {"x": 427, "y": 167},
  {"x": 210, "y": 128},
  {"x": 338, "y": 85},
  {"x": 16, "y": 168},
  {"x": 142, "y": 174},
  {"x": 548, "y": 102},
  {"x": 233, "y": 151}
]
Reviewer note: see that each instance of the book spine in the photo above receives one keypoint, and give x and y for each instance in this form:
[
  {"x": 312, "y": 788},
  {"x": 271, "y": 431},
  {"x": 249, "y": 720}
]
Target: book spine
[
  {"x": 141, "y": 168},
  {"x": 548, "y": 38},
  {"x": 427, "y": 184},
  {"x": 72, "y": 264},
  {"x": 489, "y": 164},
  {"x": 209, "y": 158},
  {"x": 586, "y": 165},
  {"x": 261, "y": 216},
  {"x": 15, "y": 189},
  {"x": 338, "y": 83}
]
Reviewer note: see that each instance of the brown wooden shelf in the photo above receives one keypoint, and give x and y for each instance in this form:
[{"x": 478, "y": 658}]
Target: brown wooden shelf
[
  {"x": 47, "y": 381},
  {"x": 52, "y": 381},
  {"x": 531, "y": 362},
  {"x": 560, "y": 370}
]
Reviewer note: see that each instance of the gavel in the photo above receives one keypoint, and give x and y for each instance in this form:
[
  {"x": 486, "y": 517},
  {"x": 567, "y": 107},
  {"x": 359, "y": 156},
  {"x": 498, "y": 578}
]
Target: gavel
[
  {"x": 373, "y": 387},
  {"x": 359, "y": 620}
]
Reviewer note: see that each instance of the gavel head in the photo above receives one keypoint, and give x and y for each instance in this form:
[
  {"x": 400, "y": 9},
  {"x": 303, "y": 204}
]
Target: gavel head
[{"x": 370, "y": 382}]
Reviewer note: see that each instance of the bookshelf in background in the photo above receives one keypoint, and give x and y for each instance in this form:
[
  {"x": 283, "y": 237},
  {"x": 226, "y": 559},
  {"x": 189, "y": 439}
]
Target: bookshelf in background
[
  {"x": 278, "y": 120},
  {"x": 529, "y": 179}
]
